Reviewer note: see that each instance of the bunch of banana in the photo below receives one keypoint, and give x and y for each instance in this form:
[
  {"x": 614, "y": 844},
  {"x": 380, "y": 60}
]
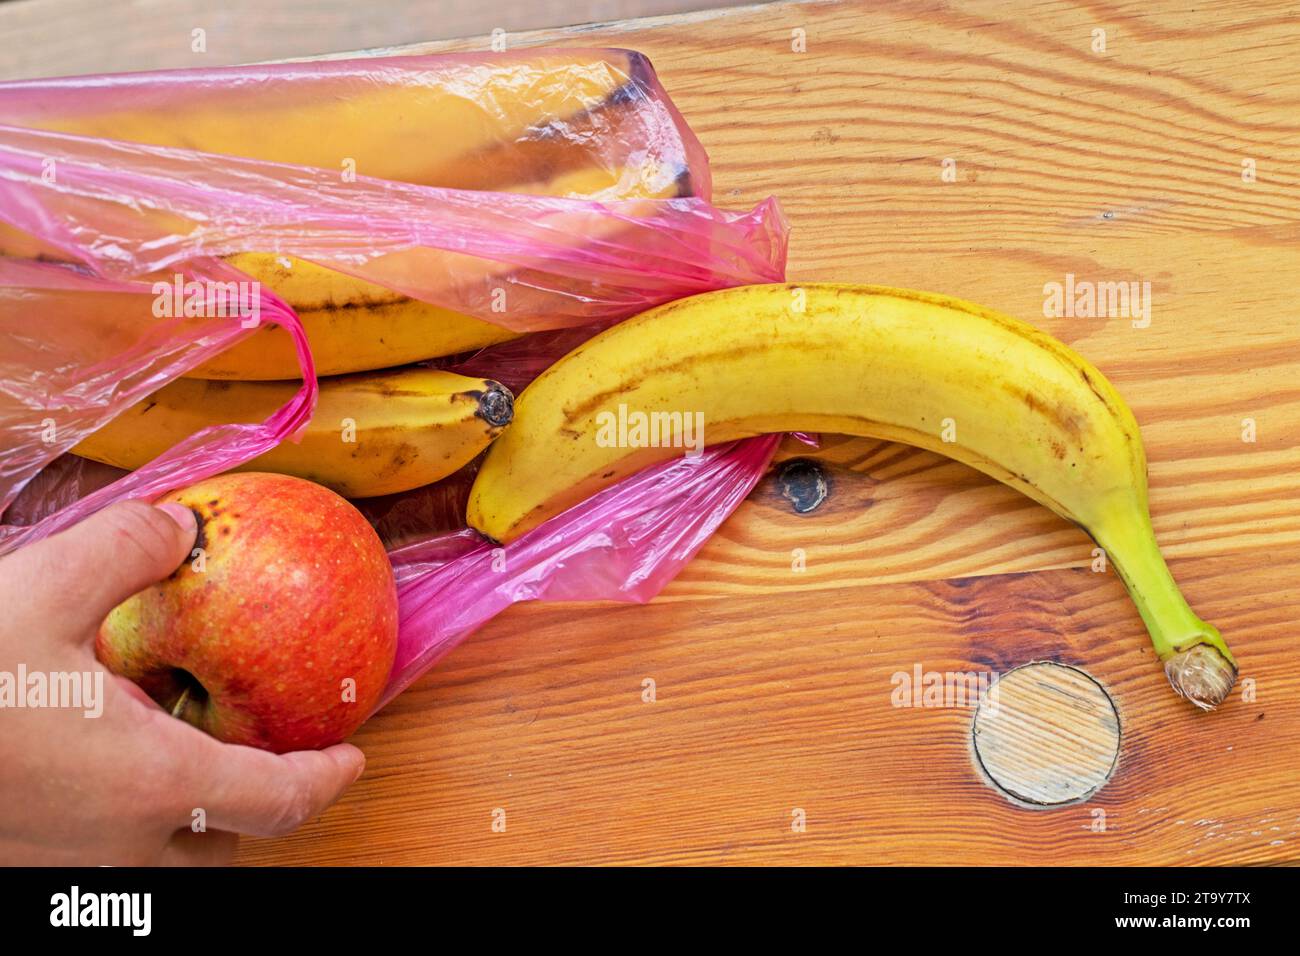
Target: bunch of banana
[
  {"x": 939, "y": 373},
  {"x": 372, "y": 434},
  {"x": 354, "y": 325},
  {"x": 537, "y": 123},
  {"x": 534, "y": 123}
]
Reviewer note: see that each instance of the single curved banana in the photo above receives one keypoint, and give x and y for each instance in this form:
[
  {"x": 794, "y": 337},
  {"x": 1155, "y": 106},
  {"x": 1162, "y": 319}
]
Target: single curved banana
[
  {"x": 352, "y": 325},
  {"x": 927, "y": 370},
  {"x": 444, "y": 126},
  {"x": 372, "y": 434}
]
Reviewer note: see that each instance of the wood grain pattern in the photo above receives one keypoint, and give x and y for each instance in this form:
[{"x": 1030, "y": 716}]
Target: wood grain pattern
[
  {"x": 65, "y": 37},
  {"x": 782, "y": 701},
  {"x": 773, "y": 685}
]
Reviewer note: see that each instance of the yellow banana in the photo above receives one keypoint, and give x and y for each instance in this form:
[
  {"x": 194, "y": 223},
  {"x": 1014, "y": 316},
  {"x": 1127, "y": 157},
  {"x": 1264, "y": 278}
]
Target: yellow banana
[
  {"x": 444, "y": 130},
  {"x": 539, "y": 125},
  {"x": 354, "y": 325},
  {"x": 931, "y": 371},
  {"x": 372, "y": 434}
]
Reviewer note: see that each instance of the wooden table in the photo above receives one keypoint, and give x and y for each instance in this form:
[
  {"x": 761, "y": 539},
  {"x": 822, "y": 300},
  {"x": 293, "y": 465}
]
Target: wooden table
[{"x": 773, "y": 686}]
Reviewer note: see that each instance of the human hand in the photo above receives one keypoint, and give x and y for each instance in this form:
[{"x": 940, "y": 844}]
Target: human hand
[{"x": 133, "y": 785}]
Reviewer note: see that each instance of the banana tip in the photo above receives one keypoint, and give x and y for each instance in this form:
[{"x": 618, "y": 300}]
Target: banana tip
[
  {"x": 496, "y": 405},
  {"x": 1202, "y": 675}
]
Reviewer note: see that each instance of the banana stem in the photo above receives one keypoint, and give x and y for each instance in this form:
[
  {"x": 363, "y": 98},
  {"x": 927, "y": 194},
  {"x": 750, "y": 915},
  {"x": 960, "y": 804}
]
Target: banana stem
[
  {"x": 1197, "y": 660},
  {"x": 178, "y": 709}
]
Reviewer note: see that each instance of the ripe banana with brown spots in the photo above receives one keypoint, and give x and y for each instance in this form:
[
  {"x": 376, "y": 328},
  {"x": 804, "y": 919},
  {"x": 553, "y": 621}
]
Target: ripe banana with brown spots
[
  {"x": 457, "y": 125},
  {"x": 537, "y": 123},
  {"x": 372, "y": 434},
  {"x": 924, "y": 369}
]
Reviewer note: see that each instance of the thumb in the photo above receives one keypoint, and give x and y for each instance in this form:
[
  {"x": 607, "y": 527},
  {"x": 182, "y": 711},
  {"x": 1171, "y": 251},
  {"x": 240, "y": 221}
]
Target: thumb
[
  {"x": 263, "y": 794},
  {"x": 65, "y": 585}
]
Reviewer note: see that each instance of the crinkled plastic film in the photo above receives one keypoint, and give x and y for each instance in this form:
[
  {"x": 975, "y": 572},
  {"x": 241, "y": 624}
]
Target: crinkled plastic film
[
  {"x": 65, "y": 375},
  {"x": 482, "y": 121},
  {"x": 623, "y": 544},
  {"x": 421, "y": 174}
]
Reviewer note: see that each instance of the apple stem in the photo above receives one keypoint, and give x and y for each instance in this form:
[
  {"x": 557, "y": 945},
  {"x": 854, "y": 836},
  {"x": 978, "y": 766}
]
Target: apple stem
[{"x": 179, "y": 707}]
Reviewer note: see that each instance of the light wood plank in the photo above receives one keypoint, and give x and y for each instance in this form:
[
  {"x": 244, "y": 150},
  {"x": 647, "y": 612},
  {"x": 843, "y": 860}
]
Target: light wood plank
[
  {"x": 783, "y": 701},
  {"x": 66, "y": 37}
]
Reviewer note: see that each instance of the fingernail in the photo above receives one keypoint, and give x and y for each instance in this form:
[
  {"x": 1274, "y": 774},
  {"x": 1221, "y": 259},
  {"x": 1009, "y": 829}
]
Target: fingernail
[
  {"x": 182, "y": 515},
  {"x": 360, "y": 763}
]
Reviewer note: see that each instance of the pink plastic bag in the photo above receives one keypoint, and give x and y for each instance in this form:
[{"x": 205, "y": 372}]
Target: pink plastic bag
[
  {"x": 129, "y": 210},
  {"x": 62, "y": 382},
  {"x": 624, "y": 544},
  {"x": 123, "y": 213},
  {"x": 461, "y": 121}
]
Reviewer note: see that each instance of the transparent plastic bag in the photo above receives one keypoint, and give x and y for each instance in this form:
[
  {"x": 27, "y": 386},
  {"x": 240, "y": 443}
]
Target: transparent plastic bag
[
  {"x": 110, "y": 218},
  {"x": 521, "y": 261},
  {"x": 64, "y": 376},
  {"x": 623, "y": 544},
  {"x": 483, "y": 121}
]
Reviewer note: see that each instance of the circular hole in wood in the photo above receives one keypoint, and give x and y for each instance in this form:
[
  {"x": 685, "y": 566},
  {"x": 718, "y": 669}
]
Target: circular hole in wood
[
  {"x": 1047, "y": 734},
  {"x": 804, "y": 483}
]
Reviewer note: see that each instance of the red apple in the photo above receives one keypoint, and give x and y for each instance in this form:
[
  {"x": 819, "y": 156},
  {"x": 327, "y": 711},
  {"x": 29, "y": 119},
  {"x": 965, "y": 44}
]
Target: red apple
[{"x": 281, "y": 633}]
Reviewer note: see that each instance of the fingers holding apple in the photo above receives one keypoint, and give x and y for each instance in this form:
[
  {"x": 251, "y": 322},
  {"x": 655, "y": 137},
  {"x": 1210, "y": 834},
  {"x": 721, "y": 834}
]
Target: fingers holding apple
[{"x": 280, "y": 630}]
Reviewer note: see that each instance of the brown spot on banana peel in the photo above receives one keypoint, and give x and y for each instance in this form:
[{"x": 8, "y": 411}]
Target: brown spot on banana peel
[
  {"x": 275, "y": 275},
  {"x": 367, "y": 301},
  {"x": 1101, "y": 395},
  {"x": 578, "y": 414},
  {"x": 871, "y": 428},
  {"x": 1057, "y": 349},
  {"x": 387, "y": 457},
  {"x": 1065, "y": 418},
  {"x": 387, "y": 384}
]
